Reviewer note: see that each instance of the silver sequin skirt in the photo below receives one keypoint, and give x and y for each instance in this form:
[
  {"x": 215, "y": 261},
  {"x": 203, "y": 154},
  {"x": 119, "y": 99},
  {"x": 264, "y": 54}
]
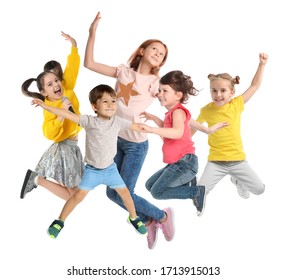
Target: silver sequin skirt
[{"x": 62, "y": 162}]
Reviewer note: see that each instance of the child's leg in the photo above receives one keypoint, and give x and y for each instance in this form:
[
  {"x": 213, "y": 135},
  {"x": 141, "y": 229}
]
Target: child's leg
[
  {"x": 57, "y": 225},
  {"x": 246, "y": 177},
  {"x": 129, "y": 204},
  {"x": 213, "y": 173},
  {"x": 32, "y": 180},
  {"x": 72, "y": 202},
  {"x": 127, "y": 201},
  {"x": 153, "y": 179},
  {"x": 55, "y": 188},
  {"x": 174, "y": 180}
]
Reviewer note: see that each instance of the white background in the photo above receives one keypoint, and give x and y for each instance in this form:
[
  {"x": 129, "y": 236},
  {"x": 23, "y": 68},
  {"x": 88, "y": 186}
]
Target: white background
[{"x": 245, "y": 238}]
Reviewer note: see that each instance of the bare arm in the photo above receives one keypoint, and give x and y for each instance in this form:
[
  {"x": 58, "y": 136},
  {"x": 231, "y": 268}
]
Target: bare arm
[
  {"x": 195, "y": 126},
  {"x": 61, "y": 112},
  {"x": 150, "y": 117},
  {"x": 89, "y": 61},
  {"x": 174, "y": 132},
  {"x": 257, "y": 79}
]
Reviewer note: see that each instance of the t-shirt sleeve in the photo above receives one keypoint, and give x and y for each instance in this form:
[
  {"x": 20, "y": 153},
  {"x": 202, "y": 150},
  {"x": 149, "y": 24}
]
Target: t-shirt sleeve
[
  {"x": 238, "y": 103},
  {"x": 84, "y": 120},
  {"x": 201, "y": 118},
  {"x": 120, "y": 68}
]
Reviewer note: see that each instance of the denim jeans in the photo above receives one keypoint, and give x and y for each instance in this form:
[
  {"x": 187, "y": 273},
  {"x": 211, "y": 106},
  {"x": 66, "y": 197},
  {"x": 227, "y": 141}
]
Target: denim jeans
[
  {"x": 129, "y": 159},
  {"x": 173, "y": 181}
]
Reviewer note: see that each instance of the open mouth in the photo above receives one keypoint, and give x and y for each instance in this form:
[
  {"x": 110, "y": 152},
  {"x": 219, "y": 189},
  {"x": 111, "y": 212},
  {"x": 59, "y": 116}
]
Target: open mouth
[{"x": 58, "y": 91}]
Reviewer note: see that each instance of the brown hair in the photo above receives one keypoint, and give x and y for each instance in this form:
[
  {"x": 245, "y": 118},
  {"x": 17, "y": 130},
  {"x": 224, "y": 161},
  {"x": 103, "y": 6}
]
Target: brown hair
[
  {"x": 98, "y": 91},
  {"x": 178, "y": 81},
  {"x": 40, "y": 84}
]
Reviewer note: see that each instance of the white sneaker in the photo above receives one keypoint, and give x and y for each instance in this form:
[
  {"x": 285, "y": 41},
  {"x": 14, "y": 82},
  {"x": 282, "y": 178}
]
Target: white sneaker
[{"x": 241, "y": 191}]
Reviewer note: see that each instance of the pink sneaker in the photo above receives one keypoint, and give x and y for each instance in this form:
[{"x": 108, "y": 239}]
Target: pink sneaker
[
  {"x": 168, "y": 226},
  {"x": 152, "y": 234}
]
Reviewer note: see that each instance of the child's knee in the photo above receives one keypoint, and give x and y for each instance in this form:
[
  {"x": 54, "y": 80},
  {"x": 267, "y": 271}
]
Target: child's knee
[
  {"x": 123, "y": 192},
  {"x": 155, "y": 194},
  {"x": 79, "y": 195}
]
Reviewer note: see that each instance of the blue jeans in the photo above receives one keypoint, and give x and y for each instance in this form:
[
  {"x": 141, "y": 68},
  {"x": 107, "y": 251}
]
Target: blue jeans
[
  {"x": 173, "y": 181},
  {"x": 129, "y": 159}
]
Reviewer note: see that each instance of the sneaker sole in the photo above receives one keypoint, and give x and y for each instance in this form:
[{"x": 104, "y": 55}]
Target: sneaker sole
[
  {"x": 28, "y": 174},
  {"x": 50, "y": 235}
]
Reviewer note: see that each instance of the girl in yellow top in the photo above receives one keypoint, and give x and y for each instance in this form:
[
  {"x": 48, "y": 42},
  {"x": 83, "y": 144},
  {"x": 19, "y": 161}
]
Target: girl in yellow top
[
  {"x": 63, "y": 160},
  {"x": 226, "y": 155}
]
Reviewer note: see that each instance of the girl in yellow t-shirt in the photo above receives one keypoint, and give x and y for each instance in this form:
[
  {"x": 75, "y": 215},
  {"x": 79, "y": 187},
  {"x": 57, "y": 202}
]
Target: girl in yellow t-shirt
[
  {"x": 226, "y": 155},
  {"x": 63, "y": 160}
]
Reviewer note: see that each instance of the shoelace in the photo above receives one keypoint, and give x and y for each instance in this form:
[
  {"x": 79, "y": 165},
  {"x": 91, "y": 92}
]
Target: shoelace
[
  {"x": 140, "y": 224},
  {"x": 57, "y": 226}
]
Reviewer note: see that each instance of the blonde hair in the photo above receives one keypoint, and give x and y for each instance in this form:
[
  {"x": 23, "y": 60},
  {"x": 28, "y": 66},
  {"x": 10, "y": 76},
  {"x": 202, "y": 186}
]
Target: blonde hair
[{"x": 225, "y": 76}]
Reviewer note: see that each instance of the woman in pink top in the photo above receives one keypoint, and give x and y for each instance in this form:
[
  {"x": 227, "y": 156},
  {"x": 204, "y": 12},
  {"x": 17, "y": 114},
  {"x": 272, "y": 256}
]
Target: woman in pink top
[
  {"x": 177, "y": 180},
  {"x": 136, "y": 87}
]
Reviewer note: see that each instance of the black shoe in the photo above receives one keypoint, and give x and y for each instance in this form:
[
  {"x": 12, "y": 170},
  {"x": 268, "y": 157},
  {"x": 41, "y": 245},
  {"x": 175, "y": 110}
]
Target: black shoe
[{"x": 29, "y": 183}]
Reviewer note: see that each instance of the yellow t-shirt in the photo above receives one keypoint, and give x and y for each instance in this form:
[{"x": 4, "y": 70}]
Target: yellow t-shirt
[
  {"x": 53, "y": 129},
  {"x": 226, "y": 143}
]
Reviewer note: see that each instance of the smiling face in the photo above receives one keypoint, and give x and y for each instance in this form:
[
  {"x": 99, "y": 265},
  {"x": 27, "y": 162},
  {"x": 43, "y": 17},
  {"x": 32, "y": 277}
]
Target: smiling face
[
  {"x": 105, "y": 107},
  {"x": 154, "y": 54},
  {"x": 168, "y": 97},
  {"x": 221, "y": 91},
  {"x": 52, "y": 87}
]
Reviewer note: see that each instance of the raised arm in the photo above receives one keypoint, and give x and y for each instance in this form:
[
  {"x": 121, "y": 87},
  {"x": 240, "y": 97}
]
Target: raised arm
[
  {"x": 61, "y": 112},
  {"x": 89, "y": 61},
  {"x": 257, "y": 79},
  {"x": 73, "y": 63}
]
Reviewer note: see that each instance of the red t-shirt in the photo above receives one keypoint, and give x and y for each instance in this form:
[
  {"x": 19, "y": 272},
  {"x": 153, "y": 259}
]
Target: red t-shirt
[{"x": 175, "y": 149}]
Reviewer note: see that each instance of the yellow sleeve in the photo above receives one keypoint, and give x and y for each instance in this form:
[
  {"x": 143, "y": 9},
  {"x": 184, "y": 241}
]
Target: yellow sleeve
[
  {"x": 201, "y": 118},
  {"x": 71, "y": 71}
]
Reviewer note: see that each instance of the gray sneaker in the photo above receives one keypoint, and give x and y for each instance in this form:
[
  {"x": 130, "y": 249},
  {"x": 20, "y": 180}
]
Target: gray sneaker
[
  {"x": 29, "y": 183},
  {"x": 199, "y": 200},
  {"x": 241, "y": 191}
]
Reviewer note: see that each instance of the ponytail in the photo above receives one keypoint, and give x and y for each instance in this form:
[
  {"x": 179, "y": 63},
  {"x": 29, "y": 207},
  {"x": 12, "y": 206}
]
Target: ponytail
[{"x": 40, "y": 84}]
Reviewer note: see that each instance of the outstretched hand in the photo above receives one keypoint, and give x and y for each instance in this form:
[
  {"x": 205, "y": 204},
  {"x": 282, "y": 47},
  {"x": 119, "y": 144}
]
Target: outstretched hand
[
  {"x": 146, "y": 116},
  {"x": 39, "y": 102},
  {"x": 216, "y": 127}
]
